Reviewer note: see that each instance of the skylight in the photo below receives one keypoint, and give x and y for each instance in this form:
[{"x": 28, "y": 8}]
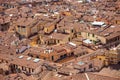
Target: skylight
[
  {"x": 29, "y": 58},
  {"x": 20, "y": 57},
  {"x": 98, "y": 23},
  {"x": 36, "y": 60}
]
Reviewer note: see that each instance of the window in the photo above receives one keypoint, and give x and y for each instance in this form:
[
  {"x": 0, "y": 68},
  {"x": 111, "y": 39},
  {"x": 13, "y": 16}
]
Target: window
[
  {"x": 23, "y": 29},
  {"x": 68, "y": 39},
  {"x": 47, "y": 30},
  {"x": 44, "y": 58},
  {"x": 111, "y": 58},
  {"x": 72, "y": 54},
  {"x": 18, "y": 28},
  {"x": 83, "y": 53},
  {"x": 29, "y": 70},
  {"x": 22, "y": 68},
  {"x": 84, "y": 69},
  {"x": 30, "y": 55},
  {"x": 93, "y": 35},
  {"x": 88, "y": 34},
  {"x": 45, "y": 42},
  {"x": 37, "y": 56},
  {"x": 58, "y": 41},
  {"x": 90, "y": 66},
  {"x": 72, "y": 31},
  {"x": 2, "y": 60},
  {"x": 14, "y": 65},
  {"x": 79, "y": 33},
  {"x": 52, "y": 58},
  {"x": 32, "y": 70},
  {"x": 6, "y": 61}
]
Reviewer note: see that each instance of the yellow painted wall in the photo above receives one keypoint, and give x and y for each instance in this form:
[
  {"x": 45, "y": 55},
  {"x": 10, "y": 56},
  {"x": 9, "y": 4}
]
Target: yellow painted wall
[
  {"x": 85, "y": 35},
  {"x": 49, "y": 29},
  {"x": 29, "y": 31},
  {"x": 103, "y": 58},
  {"x": 49, "y": 58},
  {"x": 103, "y": 40},
  {"x": 67, "y": 13},
  {"x": 118, "y": 21},
  {"x": 20, "y": 32}
]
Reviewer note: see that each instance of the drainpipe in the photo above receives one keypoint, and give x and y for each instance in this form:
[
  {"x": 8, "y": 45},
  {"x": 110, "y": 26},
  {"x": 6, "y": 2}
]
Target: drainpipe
[{"x": 87, "y": 76}]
